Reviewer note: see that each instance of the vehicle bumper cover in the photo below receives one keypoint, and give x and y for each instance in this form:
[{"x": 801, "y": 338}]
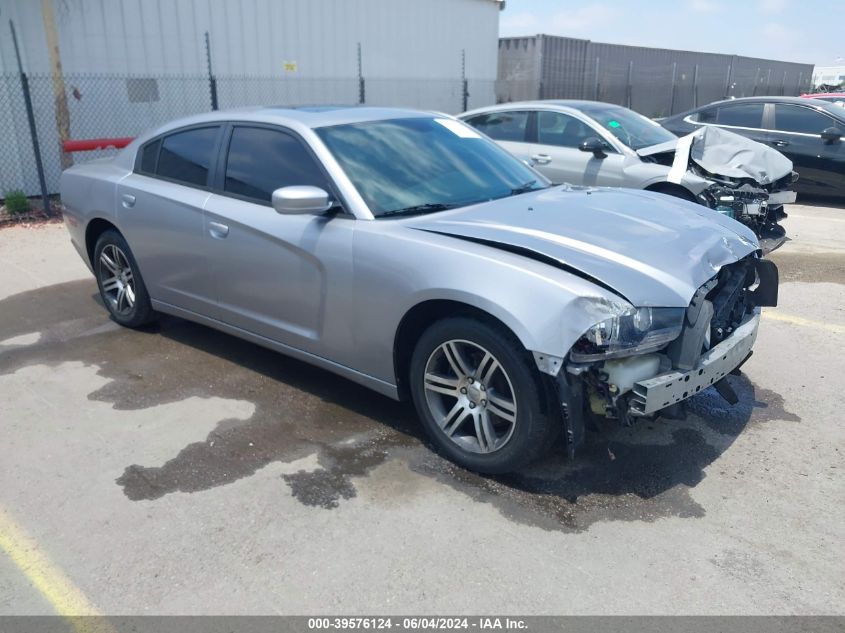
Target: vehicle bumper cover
[{"x": 667, "y": 389}]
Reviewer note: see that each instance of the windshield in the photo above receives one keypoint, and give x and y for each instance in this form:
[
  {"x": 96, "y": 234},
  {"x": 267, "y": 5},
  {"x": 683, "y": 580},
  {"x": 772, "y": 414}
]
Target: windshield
[
  {"x": 633, "y": 129},
  {"x": 420, "y": 165}
]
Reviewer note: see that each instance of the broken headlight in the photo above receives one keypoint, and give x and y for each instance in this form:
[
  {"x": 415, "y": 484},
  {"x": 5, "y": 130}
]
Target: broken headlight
[{"x": 635, "y": 331}]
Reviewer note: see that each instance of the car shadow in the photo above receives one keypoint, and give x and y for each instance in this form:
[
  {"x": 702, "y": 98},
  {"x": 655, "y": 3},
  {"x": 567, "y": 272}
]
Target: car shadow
[{"x": 638, "y": 473}]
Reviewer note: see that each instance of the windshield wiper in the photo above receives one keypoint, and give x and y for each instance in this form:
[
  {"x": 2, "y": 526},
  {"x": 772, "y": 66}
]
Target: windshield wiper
[
  {"x": 525, "y": 188},
  {"x": 419, "y": 209}
]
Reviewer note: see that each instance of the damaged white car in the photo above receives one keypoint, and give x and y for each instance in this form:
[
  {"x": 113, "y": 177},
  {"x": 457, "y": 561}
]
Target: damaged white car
[{"x": 600, "y": 144}]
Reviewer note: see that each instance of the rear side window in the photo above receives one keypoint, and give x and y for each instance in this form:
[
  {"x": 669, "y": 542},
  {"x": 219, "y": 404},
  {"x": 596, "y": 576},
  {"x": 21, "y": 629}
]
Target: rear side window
[
  {"x": 186, "y": 156},
  {"x": 502, "y": 126},
  {"x": 792, "y": 118},
  {"x": 261, "y": 160},
  {"x": 149, "y": 156},
  {"x": 741, "y": 115}
]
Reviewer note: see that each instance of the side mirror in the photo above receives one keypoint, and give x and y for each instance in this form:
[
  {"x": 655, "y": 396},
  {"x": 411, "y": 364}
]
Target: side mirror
[
  {"x": 831, "y": 134},
  {"x": 593, "y": 144},
  {"x": 300, "y": 200}
]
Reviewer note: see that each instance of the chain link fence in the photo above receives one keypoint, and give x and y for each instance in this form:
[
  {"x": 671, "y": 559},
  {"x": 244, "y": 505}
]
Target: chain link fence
[{"x": 116, "y": 106}]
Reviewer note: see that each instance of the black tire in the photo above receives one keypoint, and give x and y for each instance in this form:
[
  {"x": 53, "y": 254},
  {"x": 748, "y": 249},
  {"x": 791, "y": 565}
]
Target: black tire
[
  {"x": 533, "y": 431},
  {"x": 140, "y": 312}
]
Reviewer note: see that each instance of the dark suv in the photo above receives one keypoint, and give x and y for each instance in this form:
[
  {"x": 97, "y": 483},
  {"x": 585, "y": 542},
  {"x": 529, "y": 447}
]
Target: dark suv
[{"x": 807, "y": 131}]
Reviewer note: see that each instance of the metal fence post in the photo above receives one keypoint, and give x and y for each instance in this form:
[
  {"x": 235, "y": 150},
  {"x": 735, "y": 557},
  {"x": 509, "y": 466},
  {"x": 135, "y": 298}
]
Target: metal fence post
[
  {"x": 362, "y": 94},
  {"x": 30, "y": 116},
  {"x": 695, "y": 87},
  {"x": 728, "y": 79},
  {"x": 598, "y": 85},
  {"x": 629, "y": 88},
  {"x": 212, "y": 80},
  {"x": 674, "y": 88},
  {"x": 464, "y": 82}
]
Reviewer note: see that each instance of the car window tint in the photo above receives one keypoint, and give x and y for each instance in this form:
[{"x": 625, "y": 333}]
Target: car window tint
[
  {"x": 149, "y": 155},
  {"x": 186, "y": 156},
  {"x": 502, "y": 126},
  {"x": 741, "y": 115},
  {"x": 792, "y": 118},
  {"x": 554, "y": 128},
  {"x": 705, "y": 116},
  {"x": 261, "y": 160}
]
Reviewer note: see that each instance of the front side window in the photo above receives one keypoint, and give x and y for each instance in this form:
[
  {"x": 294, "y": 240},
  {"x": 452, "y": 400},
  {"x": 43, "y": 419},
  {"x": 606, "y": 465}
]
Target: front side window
[
  {"x": 186, "y": 156},
  {"x": 261, "y": 160},
  {"x": 562, "y": 130},
  {"x": 634, "y": 130},
  {"x": 502, "y": 126},
  {"x": 418, "y": 165},
  {"x": 792, "y": 118},
  {"x": 741, "y": 115}
]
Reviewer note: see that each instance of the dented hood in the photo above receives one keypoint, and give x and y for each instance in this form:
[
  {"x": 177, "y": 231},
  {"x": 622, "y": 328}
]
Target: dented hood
[
  {"x": 726, "y": 154},
  {"x": 651, "y": 249}
]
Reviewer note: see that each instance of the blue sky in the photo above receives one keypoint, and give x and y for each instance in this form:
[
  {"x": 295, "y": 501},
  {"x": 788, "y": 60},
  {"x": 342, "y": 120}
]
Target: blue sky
[{"x": 810, "y": 31}]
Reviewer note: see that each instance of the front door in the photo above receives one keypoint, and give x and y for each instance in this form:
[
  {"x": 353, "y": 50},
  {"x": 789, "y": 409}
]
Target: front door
[
  {"x": 797, "y": 134},
  {"x": 278, "y": 276},
  {"x": 558, "y": 157}
]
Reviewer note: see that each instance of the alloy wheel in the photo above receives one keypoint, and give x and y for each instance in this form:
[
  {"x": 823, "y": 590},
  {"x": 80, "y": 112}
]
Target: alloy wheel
[
  {"x": 116, "y": 279},
  {"x": 470, "y": 396}
]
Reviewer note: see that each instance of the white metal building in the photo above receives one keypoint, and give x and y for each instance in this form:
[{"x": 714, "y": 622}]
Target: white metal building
[
  {"x": 829, "y": 75},
  {"x": 127, "y": 65}
]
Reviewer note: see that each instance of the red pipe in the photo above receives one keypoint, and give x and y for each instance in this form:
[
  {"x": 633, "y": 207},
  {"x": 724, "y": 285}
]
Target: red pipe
[{"x": 91, "y": 144}]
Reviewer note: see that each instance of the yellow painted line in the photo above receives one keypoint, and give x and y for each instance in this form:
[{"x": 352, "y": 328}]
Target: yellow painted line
[
  {"x": 57, "y": 589},
  {"x": 796, "y": 320}
]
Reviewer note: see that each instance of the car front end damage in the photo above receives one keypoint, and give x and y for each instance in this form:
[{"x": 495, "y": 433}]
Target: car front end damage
[
  {"x": 646, "y": 362},
  {"x": 736, "y": 176},
  {"x": 759, "y": 207}
]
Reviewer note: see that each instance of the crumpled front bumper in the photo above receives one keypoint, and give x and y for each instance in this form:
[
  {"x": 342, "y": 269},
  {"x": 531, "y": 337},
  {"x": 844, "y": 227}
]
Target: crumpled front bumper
[{"x": 672, "y": 387}]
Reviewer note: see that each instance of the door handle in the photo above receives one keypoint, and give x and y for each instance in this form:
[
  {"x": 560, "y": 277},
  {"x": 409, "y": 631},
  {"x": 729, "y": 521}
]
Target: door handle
[
  {"x": 541, "y": 159},
  {"x": 128, "y": 200},
  {"x": 217, "y": 230},
  {"x": 780, "y": 143}
]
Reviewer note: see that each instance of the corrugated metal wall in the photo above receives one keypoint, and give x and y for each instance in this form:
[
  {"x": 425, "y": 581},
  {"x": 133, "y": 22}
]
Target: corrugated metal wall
[
  {"x": 400, "y": 38},
  {"x": 654, "y": 81}
]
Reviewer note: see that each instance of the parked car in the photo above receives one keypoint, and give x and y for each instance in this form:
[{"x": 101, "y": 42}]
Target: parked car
[
  {"x": 837, "y": 98},
  {"x": 600, "y": 144},
  {"x": 807, "y": 131},
  {"x": 408, "y": 253}
]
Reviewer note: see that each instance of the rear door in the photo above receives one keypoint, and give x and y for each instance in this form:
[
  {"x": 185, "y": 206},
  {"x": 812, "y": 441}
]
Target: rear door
[
  {"x": 745, "y": 118},
  {"x": 509, "y": 128},
  {"x": 796, "y": 132},
  {"x": 278, "y": 276},
  {"x": 557, "y": 157},
  {"x": 160, "y": 211}
]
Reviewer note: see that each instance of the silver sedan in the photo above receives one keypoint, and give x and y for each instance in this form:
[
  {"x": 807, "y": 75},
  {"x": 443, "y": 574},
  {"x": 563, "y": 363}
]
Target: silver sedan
[
  {"x": 602, "y": 144},
  {"x": 408, "y": 253}
]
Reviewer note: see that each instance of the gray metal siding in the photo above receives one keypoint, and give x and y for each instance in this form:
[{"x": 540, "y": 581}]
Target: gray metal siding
[
  {"x": 400, "y": 38},
  {"x": 654, "y": 81}
]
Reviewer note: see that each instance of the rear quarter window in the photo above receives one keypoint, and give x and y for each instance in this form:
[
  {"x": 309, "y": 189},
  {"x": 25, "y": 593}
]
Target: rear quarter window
[{"x": 186, "y": 156}]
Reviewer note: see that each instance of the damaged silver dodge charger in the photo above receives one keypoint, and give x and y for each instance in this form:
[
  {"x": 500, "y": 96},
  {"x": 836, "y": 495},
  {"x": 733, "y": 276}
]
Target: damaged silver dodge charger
[
  {"x": 410, "y": 254},
  {"x": 600, "y": 144}
]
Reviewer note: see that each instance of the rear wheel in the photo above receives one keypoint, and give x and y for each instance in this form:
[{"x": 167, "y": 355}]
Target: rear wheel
[
  {"x": 479, "y": 396},
  {"x": 119, "y": 280}
]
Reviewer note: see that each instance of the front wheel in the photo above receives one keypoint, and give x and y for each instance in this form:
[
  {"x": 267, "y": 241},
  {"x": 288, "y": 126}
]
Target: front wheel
[
  {"x": 119, "y": 280},
  {"x": 480, "y": 397}
]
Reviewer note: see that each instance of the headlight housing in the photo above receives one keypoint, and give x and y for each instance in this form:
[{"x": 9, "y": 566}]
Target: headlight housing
[{"x": 635, "y": 331}]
